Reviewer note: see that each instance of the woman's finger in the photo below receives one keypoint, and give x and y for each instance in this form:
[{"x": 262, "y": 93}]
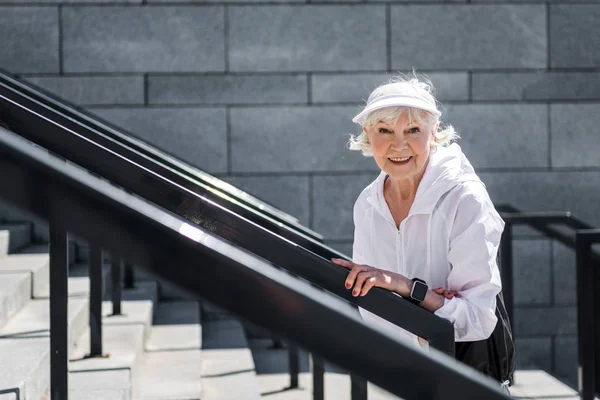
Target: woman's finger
[
  {"x": 368, "y": 286},
  {"x": 360, "y": 281},
  {"x": 351, "y": 278},
  {"x": 343, "y": 263},
  {"x": 449, "y": 294},
  {"x": 442, "y": 292}
]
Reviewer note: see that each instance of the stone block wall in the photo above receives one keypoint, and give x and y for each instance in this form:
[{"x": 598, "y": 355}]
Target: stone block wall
[{"x": 261, "y": 93}]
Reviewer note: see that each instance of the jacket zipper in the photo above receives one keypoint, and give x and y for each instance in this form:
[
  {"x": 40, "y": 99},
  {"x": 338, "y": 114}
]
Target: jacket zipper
[{"x": 400, "y": 248}]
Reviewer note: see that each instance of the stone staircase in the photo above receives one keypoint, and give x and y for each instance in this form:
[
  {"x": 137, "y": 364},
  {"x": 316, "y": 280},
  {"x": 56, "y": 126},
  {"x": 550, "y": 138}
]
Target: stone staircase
[
  {"x": 161, "y": 347},
  {"x": 157, "y": 349}
]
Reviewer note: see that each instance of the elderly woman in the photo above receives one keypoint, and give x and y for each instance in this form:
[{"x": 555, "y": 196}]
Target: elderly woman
[{"x": 426, "y": 227}]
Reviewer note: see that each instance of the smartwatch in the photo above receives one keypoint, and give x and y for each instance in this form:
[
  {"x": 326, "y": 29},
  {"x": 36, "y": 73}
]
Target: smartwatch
[{"x": 418, "y": 292}]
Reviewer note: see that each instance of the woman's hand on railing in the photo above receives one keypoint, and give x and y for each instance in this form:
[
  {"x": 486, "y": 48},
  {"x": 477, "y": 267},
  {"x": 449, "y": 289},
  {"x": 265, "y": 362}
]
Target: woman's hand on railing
[{"x": 363, "y": 278}]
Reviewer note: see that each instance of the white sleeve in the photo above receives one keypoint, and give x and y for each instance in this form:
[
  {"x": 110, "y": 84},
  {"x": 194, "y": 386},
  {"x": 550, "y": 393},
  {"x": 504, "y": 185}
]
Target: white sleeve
[
  {"x": 474, "y": 240},
  {"x": 359, "y": 246}
]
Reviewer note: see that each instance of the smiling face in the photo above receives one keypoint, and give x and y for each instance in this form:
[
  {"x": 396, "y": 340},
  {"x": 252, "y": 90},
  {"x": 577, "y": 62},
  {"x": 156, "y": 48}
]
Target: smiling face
[{"x": 401, "y": 148}]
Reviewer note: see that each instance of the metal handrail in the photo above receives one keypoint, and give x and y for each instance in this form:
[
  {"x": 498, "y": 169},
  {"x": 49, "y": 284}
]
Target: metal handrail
[
  {"x": 588, "y": 314},
  {"x": 539, "y": 220},
  {"x": 75, "y": 200},
  {"x": 80, "y": 118},
  {"x": 588, "y": 281}
]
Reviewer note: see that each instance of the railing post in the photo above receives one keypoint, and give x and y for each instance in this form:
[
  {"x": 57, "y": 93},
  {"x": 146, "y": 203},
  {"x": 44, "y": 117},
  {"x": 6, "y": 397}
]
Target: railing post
[
  {"x": 277, "y": 342},
  {"x": 596, "y": 319},
  {"x": 294, "y": 365},
  {"x": 318, "y": 370},
  {"x": 129, "y": 277},
  {"x": 95, "y": 273},
  {"x": 358, "y": 388},
  {"x": 59, "y": 297},
  {"x": 506, "y": 269},
  {"x": 116, "y": 296},
  {"x": 585, "y": 316}
]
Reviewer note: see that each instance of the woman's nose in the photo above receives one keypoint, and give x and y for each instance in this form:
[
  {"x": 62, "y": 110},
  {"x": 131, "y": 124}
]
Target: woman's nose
[{"x": 401, "y": 141}]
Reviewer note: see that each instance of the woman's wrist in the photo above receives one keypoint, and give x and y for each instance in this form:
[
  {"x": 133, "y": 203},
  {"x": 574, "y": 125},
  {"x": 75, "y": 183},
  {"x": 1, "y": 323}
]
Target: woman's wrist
[{"x": 403, "y": 285}]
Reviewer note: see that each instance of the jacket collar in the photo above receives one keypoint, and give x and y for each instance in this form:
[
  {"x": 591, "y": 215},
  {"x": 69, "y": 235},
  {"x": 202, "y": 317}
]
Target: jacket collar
[{"x": 447, "y": 168}]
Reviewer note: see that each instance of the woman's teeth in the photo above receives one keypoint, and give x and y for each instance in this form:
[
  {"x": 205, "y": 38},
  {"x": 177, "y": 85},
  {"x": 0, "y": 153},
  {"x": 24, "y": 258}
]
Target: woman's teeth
[{"x": 400, "y": 159}]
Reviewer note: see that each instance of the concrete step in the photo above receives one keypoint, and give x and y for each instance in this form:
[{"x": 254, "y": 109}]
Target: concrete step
[
  {"x": 9, "y": 212},
  {"x": 26, "y": 367},
  {"x": 35, "y": 248},
  {"x": 123, "y": 341},
  {"x": 4, "y": 241},
  {"x": 147, "y": 290},
  {"x": 228, "y": 371},
  {"x": 171, "y": 367},
  {"x": 211, "y": 312},
  {"x": 25, "y": 345},
  {"x": 176, "y": 326},
  {"x": 19, "y": 236},
  {"x": 538, "y": 384},
  {"x": 92, "y": 385},
  {"x": 167, "y": 291},
  {"x": 136, "y": 318},
  {"x": 15, "y": 293},
  {"x": 43, "y": 248},
  {"x": 79, "y": 282},
  {"x": 33, "y": 321},
  {"x": 35, "y": 265}
]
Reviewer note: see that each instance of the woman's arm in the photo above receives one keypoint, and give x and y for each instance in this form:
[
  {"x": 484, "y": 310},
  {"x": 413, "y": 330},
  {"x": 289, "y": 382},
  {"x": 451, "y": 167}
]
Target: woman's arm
[
  {"x": 362, "y": 278},
  {"x": 474, "y": 240}
]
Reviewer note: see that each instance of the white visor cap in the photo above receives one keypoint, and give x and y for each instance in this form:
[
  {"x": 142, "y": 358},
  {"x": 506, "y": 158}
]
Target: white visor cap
[{"x": 395, "y": 100}]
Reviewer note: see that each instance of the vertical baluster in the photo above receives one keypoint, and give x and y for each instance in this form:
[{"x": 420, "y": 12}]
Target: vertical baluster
[
  {"x": 358, "y": 388},
  {"x": 318, "y": 370},
  {"x": 59, "y": 297},
  {"x": 596, "y": 333},
  {"x": 294, "y": 365},
  {"x": 95, "y": 273},
  {"x": 585, "y": 317},
  {"x": 117, "y": 294},
  {"x": 129, "y": 277}
]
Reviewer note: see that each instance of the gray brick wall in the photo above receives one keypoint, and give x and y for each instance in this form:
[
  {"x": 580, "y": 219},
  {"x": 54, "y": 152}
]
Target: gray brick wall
[{"x": 261, "y": 93}]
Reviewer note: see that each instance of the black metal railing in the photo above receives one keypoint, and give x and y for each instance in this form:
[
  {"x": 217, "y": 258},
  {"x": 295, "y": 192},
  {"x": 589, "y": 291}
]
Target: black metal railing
[
  {"x": 16, "y": 94},
  {"x": 139, "y": 173},
  {"x": 579, "y": 239},
  {"x": 542, "y": 221},
  {"x": 77, "y": 201},
  {"x": 588, "y": 313}
]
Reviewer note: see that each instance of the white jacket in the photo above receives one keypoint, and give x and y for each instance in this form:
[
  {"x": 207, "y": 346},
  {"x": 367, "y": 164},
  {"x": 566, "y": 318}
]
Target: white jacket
[{"x": 450, "y": 239}]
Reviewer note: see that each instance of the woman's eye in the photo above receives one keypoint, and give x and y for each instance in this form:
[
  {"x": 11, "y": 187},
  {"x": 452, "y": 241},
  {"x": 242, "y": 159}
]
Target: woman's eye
[
  {"x": 384, "y": 130},
  {"x": 414, "y": 130}
]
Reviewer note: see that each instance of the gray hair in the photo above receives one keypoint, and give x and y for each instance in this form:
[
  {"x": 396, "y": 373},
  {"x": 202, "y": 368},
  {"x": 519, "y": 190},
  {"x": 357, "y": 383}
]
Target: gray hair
[{"x": 420, "y": 87}]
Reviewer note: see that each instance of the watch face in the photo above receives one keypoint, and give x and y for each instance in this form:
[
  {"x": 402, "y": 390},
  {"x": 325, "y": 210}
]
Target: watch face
[{"x": 419, "y": 291}]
